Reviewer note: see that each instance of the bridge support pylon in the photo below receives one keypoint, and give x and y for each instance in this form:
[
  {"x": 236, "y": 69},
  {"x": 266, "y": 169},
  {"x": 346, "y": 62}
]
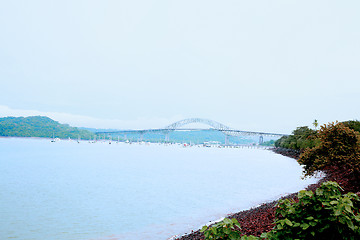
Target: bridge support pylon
[
  {"x": 226, "y": 139},
  {"x": 167, "y": 137},
  {"x": 141, "y": 136},
  {"x": 261, "y": 139}
]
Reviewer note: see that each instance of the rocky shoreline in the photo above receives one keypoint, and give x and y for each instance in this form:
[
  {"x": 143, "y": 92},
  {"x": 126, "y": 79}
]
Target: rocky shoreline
[
  {"x": 261, "y": 219},
  {"x": 287, "y": 152}
]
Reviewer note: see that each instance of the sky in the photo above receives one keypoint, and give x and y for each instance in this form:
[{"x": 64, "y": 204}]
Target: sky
[{"x": 258, "y": 65}]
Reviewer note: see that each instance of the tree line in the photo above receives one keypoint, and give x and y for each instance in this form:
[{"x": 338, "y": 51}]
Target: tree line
[
  {"x": 305, "y": 137},
  {"x": 328, "y": 212},
  {"x": 40, "y": 126}
]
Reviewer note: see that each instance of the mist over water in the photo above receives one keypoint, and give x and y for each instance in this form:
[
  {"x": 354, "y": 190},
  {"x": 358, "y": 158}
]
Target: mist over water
[{"x": 70, "y": 190}]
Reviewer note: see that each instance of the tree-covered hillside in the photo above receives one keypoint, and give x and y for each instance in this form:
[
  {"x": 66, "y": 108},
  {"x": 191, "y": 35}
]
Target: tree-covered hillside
[
  {"x": 39, "y": 126},
  {"x": 301, "y": 138}
]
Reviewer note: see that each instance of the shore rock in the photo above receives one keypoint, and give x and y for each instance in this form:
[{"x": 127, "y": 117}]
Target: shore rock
[
  {"x": 287, "y": 152},
  {"x": 260, "y": 219}
]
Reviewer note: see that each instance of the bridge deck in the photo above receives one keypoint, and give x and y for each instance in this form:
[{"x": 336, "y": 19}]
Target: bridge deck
[{"x": 165, "y": 130}]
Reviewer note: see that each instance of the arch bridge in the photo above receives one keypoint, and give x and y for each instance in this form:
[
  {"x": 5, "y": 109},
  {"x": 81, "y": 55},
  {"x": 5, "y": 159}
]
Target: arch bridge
[{"x": 176, "y": 126}]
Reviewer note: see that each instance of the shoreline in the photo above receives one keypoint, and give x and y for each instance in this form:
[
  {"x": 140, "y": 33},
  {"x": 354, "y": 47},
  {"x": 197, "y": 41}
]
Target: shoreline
[
  {"x": 249, "y": 146},
  {"x": 260, "y": 218},
  {"x": 253, "y": 221}
]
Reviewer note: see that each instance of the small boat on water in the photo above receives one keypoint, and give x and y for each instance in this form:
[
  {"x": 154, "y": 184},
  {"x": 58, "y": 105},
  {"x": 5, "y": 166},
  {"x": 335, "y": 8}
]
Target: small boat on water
[{"x": 55, "y": 139}]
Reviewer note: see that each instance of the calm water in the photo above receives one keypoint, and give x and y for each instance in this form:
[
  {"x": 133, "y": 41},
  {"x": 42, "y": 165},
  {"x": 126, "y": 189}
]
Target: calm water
[{"x": 66, "y": 190}]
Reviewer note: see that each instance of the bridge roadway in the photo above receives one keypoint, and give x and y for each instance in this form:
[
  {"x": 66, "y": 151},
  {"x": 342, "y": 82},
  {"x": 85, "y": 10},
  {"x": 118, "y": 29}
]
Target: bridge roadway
[
  {"x": 227, "y": 131},
  {"x": 232, "y": 132}
]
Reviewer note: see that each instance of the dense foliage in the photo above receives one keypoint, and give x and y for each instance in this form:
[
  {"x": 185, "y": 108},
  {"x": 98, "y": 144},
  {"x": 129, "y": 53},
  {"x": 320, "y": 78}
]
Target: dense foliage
[
  {"x": 353, "y": 124},
  {"x": 38, "y": 126},
  {"x": 325, "y": 214},
  {"x": 339, "y": 147},
  {"x": 304, "y": 137},
  {"x": 301, "y": 138}
]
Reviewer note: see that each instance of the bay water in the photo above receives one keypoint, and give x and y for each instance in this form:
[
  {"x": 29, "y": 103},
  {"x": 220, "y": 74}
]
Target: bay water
[{"x": 81, "y": 191}]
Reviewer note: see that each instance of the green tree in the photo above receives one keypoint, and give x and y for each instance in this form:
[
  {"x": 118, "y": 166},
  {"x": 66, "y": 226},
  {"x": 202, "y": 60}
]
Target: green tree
[
  {"x": 301, "y": 138},
  {"x": 316, "y": 124},
  {"x": 352, "y": 124},
  {"x": 339, "y": 147},
  {"x": 40, "y": 126}
]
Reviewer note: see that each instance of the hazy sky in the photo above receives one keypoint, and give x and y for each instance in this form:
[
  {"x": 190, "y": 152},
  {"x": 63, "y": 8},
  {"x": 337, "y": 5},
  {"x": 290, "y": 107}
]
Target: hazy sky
[{"x": 252, "y": 65}]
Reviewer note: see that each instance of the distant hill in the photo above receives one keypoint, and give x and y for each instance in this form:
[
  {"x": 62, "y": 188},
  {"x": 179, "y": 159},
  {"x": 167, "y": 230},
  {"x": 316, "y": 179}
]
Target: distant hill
[
  {"x": 40, "y": 126},
  {"x": 95, "y": 130}
]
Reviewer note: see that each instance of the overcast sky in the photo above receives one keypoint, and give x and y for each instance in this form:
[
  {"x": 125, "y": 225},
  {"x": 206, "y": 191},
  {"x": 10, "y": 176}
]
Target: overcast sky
[{"x": 252, "y": 65}]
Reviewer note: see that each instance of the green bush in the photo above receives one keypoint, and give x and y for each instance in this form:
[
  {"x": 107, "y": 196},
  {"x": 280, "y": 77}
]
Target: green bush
[
  {"x": 339, "y": 147},
  {"x": 325, "y": 214},
  {"x": 228, "y": 229}
]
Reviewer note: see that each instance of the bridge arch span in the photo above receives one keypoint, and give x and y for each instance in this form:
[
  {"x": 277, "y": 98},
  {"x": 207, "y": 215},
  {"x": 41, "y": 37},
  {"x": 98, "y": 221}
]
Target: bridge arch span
[{"x": 216, "y": 125}]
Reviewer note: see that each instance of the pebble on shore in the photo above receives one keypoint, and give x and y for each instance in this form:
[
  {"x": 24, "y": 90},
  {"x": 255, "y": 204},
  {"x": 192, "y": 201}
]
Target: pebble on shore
[{"x": 261, "y": 219}]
